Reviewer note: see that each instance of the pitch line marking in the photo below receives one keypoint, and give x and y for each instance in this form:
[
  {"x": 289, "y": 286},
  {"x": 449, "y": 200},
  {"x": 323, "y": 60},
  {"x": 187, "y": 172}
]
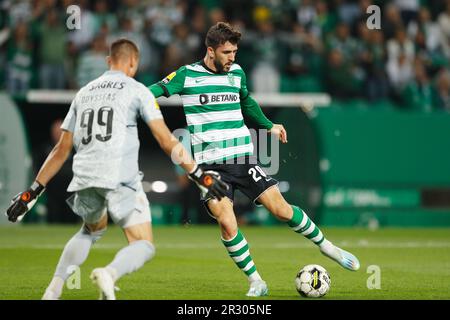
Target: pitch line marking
[{"x": 281, "y": 245}]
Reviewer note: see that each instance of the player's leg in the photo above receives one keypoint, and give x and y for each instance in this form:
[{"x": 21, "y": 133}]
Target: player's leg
[
  {"x": 129, "y": 259},
  {"x": 138, "y": 231},
  {"x": 140, "y": 250},
  {"x": 299, "y": 221},
  {"x": 74, "y": 254},
  {"x": 236, "y": 244}
]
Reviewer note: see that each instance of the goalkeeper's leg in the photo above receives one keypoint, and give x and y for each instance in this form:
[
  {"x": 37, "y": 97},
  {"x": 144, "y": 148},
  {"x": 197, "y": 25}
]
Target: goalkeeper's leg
[
  {"x": 75, "y": 253},
  {"x": 236, "y": 244},
  {"x": 129, "y": 259},
  {"x": 129, "y": 209},
  {"x": 299, "y": 221}
]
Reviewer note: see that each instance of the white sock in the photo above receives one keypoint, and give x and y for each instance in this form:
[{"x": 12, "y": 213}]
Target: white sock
[
  {"x": 56, "y": 287},
  {"x": 131, "y": 258},
  {"x": 330, "y": 250},
  {"x": 254, "y": 277},
  {"x": 326, "y": 245},
  {"x": 76, "y": 251}
]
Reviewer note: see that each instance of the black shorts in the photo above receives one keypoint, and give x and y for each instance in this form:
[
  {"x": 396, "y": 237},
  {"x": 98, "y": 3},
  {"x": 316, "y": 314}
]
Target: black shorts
[{"x": 248, "y": 177}]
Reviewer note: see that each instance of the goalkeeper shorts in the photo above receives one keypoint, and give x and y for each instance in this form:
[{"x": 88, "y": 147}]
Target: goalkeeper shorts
[{"x": 126, "y": 205}]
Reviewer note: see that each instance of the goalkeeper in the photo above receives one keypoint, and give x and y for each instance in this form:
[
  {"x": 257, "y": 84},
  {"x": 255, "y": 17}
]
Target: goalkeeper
[
  {"x": 102, "y": 125},
  {"x": 215, "y": 97}
]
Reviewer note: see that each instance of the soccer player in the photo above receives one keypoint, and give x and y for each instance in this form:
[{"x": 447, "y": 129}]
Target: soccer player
[
  {"x": 215, "y": 97},
  {"x": 101, "y": 125}
]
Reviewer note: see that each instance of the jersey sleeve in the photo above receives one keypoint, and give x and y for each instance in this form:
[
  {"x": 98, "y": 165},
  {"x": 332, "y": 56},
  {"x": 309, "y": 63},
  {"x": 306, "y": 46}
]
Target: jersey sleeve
[
  {"x": 148, "y": 106},
  {"x": 243, "y": 93},
  {"x": 172, "y": 84},
  {"x": 250, "y": 108},
  {"x": 70, "y": 119}
]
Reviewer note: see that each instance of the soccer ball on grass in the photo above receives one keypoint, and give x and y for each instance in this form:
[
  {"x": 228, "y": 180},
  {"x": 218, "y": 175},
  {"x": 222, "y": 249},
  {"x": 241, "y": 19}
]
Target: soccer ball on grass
[{"x": 312, "y": 281}]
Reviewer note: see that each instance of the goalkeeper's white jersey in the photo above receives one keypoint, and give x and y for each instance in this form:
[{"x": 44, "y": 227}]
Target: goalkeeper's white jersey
[{"x": 103, "y": 119}]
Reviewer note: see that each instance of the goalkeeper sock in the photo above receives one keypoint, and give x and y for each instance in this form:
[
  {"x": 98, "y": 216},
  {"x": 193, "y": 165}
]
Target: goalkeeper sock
[
  {"x": 54, "y": 289},
  {"x": 131, "y": 258},
  {"x": 238, "y": 250},
  {"x": 301, "y": 223},
  {"x": 75, "y": 253}
]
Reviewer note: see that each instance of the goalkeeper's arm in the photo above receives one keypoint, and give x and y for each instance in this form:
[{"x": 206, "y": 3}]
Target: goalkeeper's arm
[
  {"x": 24, "y": 201},
  {"x": 208, "y": 181},
  {"x": 56, "y": 158}
]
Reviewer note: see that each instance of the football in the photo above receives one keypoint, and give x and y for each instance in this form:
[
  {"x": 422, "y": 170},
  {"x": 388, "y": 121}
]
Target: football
[{"x": 313, "y": 281}]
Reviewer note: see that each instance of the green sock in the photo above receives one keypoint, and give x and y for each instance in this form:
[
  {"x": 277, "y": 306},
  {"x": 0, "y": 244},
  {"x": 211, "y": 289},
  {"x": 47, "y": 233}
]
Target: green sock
[
  {"x": 239, "y": 251},
  {"x": 301, "y": 223}
]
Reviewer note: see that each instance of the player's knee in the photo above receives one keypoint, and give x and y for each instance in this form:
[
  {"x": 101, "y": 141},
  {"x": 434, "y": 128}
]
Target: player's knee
[
  {"x": 227, "y": 222},
  {"x": 223, "y": 216},
  {"x": 147, "y": 248},
  {"x": 282, "y": 211},
  {"x": 94, "y": 235},
  {"x": 229, "y": 233}
]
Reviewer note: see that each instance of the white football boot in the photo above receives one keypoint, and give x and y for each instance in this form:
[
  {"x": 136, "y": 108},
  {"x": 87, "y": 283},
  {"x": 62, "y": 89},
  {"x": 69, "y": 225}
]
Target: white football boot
[
  {"x": 258, "y": 288},
  {"x": 105, "y": 283},
  {"x": 344, "y": 258}
]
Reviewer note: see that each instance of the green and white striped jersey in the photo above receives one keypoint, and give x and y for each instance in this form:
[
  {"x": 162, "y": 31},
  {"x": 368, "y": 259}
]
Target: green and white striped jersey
[{"x": 212, "y": 107}]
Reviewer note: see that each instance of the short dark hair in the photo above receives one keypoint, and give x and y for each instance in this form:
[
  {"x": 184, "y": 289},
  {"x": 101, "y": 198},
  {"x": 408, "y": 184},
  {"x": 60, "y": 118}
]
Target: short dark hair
[
  {"x": 123, "y": 48},
  {"x": 220, "y": 33}
]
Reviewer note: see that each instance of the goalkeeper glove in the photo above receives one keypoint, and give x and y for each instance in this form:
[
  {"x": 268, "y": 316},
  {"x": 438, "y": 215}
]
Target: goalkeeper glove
[
  {"x": 23, "y": 202},
  {"x": 209, "y": 182}
]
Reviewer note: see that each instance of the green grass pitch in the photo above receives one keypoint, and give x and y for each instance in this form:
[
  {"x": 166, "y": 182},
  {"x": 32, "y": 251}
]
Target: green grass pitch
[{"x": 191, "y": 263}]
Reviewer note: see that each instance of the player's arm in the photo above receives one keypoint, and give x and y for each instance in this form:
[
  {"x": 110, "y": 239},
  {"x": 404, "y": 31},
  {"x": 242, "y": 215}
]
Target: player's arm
[
  {"x": 170, "y": 145},
  {"x": 172, "y": 84},
  {"x": 24, "y": 201},
  {"x": 207, "y": 181},
  {"x": 252, "y": 110},
  {"x": 56, "y": 158}
]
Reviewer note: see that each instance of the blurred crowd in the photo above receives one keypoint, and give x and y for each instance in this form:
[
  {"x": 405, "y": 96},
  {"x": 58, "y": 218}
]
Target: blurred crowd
[{"x": 287, "y": 45}]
